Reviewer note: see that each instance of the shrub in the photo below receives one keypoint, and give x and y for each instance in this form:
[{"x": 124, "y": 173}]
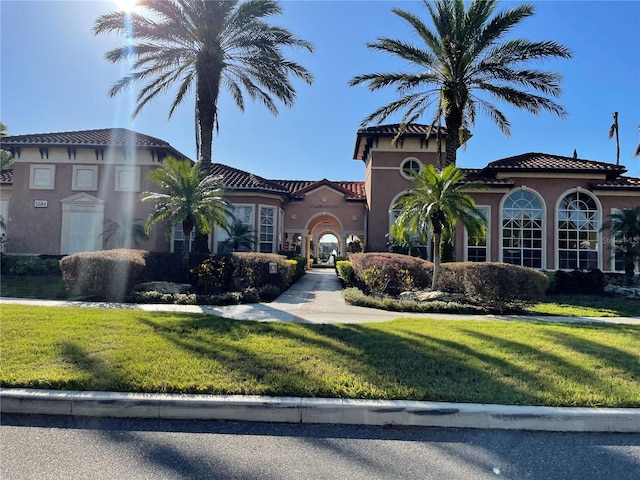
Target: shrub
[
  {"x": 344, "y": 269},
  {"x": 251, "y": 270},
  {"x": 30, "y": 265},
  {"x": 354, "y": 296},
  {"x": 268, "y": 293},
  {"x": 213, "y": 276},
  {"x": 452, "y": 277},
  {"x": 579, "y": 282},
  {"x": 394, "y": 270},
  {"x": 105, "y": 274},
  {"x": 298, "y": 266},
  {"x": 502, "y": 287}
]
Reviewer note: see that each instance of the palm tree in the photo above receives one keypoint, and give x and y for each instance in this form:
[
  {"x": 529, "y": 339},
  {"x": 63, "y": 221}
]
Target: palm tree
[
  {"x": 127, "y": 233},
  {"x": 190, "y": 198},
  {"x": 624, "y": 226},
  {"x": 6, "y": 159},
  {"x": 240, "y": 235},
  {"x": 614, "y": 130},
  {"x": 434, "y": 205},
  {"x": 206, "y": 45},
  {"x": 463, "y": 56}
]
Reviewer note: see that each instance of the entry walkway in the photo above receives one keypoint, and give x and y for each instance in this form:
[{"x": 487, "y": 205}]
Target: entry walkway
[{"x": 315, "y": 298}]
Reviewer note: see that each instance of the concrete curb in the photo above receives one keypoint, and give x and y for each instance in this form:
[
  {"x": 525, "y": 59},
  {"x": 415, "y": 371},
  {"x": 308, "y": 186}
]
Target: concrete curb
[{"x": 317, "y": 410}]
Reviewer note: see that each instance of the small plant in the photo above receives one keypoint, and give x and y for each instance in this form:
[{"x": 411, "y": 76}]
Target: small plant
[
  {"x": 268, "y": 293},
  {"x": 406, "y": 280},
  {"x": 344, "y": 269},
  {"x": 376, "y": 281}
]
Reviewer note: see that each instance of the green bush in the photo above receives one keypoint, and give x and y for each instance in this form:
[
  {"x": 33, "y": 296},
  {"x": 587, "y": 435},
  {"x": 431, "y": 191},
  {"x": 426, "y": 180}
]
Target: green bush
[
  {"x": 30, "y": 265},
  {"x": 355, "y": 296},
  {"x": 588, "y": 282},
  {"x": 391, "y": 272},
  {"x": 344, "y": 269},
  {"x": 105, "y": 274},
  {"x": 213, "y": 276},
  {"x": 228, "y": 298},
  {"x": 268, "y": 293},
  {"x": 503, "y": 287},
  {"x": 251, "y": 270},
  {"x": 298, "y": 269}
]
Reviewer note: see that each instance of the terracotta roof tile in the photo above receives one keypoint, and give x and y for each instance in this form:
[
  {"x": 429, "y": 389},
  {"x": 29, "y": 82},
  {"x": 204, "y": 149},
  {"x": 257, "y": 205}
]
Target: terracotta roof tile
[
  {"x": 235, "y": 179},
  {"x": 620, "y": 183},
  {"x": 543, "y": 161},
  {"x": 90, "y": 138},
  {"x": 351, "y": 190},
  {"x": 479, "y": 175},
  {"x": 393, "y": 129}
]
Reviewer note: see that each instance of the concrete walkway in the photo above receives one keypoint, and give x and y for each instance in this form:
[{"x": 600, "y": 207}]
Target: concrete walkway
[{"x": 316, "y": 298}]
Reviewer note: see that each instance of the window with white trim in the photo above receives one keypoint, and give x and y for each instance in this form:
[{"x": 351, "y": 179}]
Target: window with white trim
[
  {"x": 578, "y": 227},
  {"x": 42, "y": 177},
  {"x": 267, "y": 229},
  {"x": 127, "y": 179},
  {"x": 477, "y": 248},
  {"x": 522, "y": 229},
  {"x": 85, "y": 177},
  {"x": 409, "y": 167},
  {"x": 242, "y": 214},
  {"x": 178, "y": 239}
]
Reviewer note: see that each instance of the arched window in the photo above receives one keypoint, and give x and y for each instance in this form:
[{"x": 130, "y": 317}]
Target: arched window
[
  {"x": 578, "y": 226},
  {"x": 522, "y": 229}
]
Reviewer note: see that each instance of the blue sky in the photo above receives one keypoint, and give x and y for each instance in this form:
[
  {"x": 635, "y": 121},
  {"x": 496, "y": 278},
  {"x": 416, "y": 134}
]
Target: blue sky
[{"x": 54, "y": 78}]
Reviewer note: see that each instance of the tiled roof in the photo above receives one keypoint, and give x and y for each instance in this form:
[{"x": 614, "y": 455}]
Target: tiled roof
[
  {"x": 543, "y": 161},
  {"x": 479, "y": 175},
  {"x": 89, "y": 138},
  {"x": 620, "y": 183},
  {"x": 393, "y": 129},
  {"x": 6, "y": 176},
  {"x": 234, "y": 179},
  {"x": 103, "y": 136}
]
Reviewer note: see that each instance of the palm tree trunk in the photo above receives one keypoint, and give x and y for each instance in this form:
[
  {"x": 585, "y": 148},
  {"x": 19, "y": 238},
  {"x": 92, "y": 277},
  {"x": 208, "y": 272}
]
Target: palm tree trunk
[
  {"x": 187, "y": 228},
  {"x": 453, "y": 121},
  {"x": 437, "y": 239},
  {"x": 208, "y": 87}
]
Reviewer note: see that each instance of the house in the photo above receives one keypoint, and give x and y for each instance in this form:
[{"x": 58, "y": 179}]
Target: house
[{"x": 544, "y": 211}]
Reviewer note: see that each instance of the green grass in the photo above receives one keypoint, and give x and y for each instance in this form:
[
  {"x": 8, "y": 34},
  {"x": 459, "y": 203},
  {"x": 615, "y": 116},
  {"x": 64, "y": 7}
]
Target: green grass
[
  {"x": 518, "y": 363},
  {"x": 48, "y": 287},
  {"x": 587, "y": 306}
]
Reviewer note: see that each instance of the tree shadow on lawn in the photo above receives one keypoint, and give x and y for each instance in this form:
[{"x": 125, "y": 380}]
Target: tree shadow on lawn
[
  {"x": 97, "y": 375},
  {"x": 370, "y": 363}
]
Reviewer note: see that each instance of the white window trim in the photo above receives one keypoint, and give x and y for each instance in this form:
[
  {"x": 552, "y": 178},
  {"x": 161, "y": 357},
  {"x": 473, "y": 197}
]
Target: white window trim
[
  {"x": 612, "y": 245},
  {"x": 118, "y": 187},
  {"x": 82, "y": 203},
  {"x": 32, "y": 176},
  {"x": 543, "y": 265},
  {"x": 556, "y": 233},
  {"x": 275, "y": 227},
  {"x": 218, "y": 229},
  {"x": 179, "y": 228},
  {"x": 488, "y": 235},
  {"x": 74, "y": 182},
  {"x": 406, "y": 160}
]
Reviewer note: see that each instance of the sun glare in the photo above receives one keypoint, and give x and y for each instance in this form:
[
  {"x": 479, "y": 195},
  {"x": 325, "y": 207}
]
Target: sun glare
[{"x": 126, "y": 5}]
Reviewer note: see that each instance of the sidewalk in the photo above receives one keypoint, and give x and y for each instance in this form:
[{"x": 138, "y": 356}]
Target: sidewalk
[{"x": 316, "y": 298}]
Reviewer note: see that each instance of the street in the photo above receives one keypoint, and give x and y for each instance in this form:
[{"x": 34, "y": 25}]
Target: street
[{"x": 94, "y": 448}]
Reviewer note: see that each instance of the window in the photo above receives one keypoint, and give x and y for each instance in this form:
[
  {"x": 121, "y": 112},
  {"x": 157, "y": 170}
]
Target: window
[
  {"x": 127, "y": 179},
  {"x": 82, "y": 224},
  {"x": 42, "y": 177},
  {"x": 85, "y": 177},
  {"x": 617, "y": 256},
  {"x": 578, "y": 226},
  {"x": 267, "y": 229},
  {"x": 522, "y": 229},
  {"x": 244, "y": 215},
  {"x": 477, "y": 248},
  {"x": 409, "y": 167},
  {"x": 178, "y": 239}
]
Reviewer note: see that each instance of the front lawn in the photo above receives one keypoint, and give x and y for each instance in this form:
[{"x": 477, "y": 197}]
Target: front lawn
[{"x": 519, "y": 363}]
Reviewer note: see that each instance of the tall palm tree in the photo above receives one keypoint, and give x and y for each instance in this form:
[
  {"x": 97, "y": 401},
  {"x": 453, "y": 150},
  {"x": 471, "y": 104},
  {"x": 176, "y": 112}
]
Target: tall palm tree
[
  {"x": 624, "y": 226},
  {"x": 189, "y": 198},
  {"x": 206, "y": 45},
  {"x": 614, "y": 129},
  {"x": 462, "y": 56},
  {"x": 434, "y": 205}
]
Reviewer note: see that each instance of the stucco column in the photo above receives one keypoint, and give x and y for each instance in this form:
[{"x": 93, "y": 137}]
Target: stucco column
[
  {"x": 303, "y": 246},
  {"x": 343, "y": 247}
]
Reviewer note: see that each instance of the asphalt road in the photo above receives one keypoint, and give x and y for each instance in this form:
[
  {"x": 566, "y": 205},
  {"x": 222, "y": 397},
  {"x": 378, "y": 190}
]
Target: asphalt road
[{"x": 41, "y": 447}]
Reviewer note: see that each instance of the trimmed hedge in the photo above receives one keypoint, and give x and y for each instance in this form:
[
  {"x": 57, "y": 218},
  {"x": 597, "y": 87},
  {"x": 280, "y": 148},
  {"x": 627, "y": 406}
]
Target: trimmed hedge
[
  {"x": 30, "y": 265},
  {"x": 344, "y": 270},
  {"x": 380, "y": 273},
  {"x": 104, "y": 274}
]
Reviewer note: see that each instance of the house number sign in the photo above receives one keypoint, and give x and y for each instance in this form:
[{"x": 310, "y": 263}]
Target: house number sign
[{"x": 40, "y": 203}]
